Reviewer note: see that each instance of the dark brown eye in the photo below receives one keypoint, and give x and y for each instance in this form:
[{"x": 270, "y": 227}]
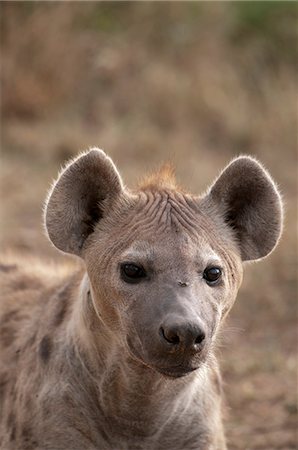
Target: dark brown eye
[
  {"x": 212, "y": 275},
  {"x": 132, "y": 273}
]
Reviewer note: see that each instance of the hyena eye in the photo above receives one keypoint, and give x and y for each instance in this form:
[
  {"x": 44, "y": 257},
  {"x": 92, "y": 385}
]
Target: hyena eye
[
  {"x": 132, "y": 273},
  {"x": 212, "y": 275}
]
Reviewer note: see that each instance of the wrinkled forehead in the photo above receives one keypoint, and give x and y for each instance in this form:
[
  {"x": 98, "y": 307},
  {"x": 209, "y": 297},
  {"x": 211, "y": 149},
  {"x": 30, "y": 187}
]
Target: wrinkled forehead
[{"x": 165, "y": 222}]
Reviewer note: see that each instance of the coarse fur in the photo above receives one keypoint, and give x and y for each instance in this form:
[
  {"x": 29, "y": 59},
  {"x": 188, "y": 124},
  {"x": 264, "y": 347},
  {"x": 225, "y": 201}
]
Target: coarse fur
[{"x": 94, "y": 359}]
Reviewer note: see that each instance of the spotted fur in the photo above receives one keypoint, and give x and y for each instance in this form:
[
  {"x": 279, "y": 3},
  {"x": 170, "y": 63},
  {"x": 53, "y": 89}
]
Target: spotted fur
[{"x": 84, "y": 361}]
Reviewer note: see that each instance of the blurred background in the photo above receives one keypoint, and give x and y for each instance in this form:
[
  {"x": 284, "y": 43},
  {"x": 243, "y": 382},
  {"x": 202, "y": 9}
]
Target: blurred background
[{"x": 196, "y": 83}]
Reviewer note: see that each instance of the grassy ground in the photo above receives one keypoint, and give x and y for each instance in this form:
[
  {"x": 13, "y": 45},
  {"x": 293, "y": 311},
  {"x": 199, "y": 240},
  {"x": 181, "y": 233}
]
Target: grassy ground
[{"x": 196, "y": 83}]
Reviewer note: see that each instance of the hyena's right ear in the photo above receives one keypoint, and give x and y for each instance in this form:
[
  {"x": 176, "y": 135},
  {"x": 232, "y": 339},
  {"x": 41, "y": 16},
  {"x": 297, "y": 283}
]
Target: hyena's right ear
[{"x": 75, "y": 203}]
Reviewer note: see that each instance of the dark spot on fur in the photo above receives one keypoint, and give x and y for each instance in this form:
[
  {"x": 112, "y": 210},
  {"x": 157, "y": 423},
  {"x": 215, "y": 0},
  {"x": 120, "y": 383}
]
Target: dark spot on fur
[
  {"x": 45, "y": 348},
  {"x": 3, "y": 383},
  {"x": 62, "y": 299},
  {"x": 12, "y": 435},
  {"x": 20, "y": 285},
  {"x": 9, "y": 315},
  {"x": 12, "y": 393},
  {"x": 7, "y": 335},
  {"x": 24, "y": 282},
  {"x": 10, "y": 420},
  {"x": 28, "y": 443},
  {"x": 7, "y": 267},
  {"x": 104, "y": 435},
  {"x": 26, "y": 433}
]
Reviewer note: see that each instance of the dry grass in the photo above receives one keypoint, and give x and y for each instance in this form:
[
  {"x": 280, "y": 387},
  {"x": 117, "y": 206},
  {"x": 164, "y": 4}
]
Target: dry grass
[{"x": 193, "y": 83}]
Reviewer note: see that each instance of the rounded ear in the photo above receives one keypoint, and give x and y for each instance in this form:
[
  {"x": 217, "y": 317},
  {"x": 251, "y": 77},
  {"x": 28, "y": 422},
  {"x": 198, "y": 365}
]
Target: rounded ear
[
  {"x": 247, "y": 198},
  {"x": 75, "y": 202}
]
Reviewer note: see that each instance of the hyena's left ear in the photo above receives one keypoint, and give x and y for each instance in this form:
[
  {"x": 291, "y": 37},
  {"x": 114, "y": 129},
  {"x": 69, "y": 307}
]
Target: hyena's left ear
[
  {"x": 81, "y": 196},
  {"x": 247, "y": 199}
]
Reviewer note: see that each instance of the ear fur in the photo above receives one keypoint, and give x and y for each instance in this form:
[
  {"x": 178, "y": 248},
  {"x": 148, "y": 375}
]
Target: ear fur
[
  {"x": 74, "y": 204},
  {"x": 248, "y": 200}
]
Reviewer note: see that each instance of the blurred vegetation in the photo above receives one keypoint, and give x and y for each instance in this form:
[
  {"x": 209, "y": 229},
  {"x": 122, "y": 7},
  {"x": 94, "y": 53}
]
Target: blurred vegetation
[{"x": 48, "y": 48}]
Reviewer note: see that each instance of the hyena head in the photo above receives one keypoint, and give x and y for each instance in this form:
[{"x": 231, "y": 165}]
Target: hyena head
[{"x": 164, "y": 266}]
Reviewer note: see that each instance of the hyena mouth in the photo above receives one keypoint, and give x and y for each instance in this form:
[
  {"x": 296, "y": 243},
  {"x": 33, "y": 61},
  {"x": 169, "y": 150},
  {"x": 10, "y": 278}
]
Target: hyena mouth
[{"x": 175, "y": 372}]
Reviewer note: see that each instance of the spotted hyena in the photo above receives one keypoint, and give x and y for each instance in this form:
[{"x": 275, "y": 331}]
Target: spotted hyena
[{"x": 117, "y": 352}]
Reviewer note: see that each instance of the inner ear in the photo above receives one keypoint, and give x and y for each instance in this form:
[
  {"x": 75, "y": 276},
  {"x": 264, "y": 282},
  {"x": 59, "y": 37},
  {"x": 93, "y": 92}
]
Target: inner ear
[
  {"x": 92, "y": 212},
  {"x": 247, "y": 199},
  {"x": 83, "y": 191},
  {"x": 95, "y": 213},
  {"x": 240, "y": 203}
]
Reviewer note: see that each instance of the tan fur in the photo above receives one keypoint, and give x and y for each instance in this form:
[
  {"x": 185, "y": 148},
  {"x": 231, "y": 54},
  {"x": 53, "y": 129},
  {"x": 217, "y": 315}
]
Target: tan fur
[
  {"x": 164, "y": 178},
  {"x": 90, "y": 360}
]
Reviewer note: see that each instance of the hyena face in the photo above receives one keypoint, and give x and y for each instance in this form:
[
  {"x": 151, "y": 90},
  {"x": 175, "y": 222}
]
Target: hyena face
[
  {"x": 167, "y": 274},
  {"x": 164, "y": 266}
]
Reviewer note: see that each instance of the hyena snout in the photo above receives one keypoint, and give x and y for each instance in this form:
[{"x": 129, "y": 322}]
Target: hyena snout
[{"x": 182, "y": 335}]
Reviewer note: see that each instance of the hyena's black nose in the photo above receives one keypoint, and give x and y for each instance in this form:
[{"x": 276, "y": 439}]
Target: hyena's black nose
[{"x": 183, "y": 335}]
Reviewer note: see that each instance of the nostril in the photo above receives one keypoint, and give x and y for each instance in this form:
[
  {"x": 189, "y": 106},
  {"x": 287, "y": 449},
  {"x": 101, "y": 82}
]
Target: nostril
[
  {"x": 170, "y": 336},
  {"x": 200, "y": 337}
]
